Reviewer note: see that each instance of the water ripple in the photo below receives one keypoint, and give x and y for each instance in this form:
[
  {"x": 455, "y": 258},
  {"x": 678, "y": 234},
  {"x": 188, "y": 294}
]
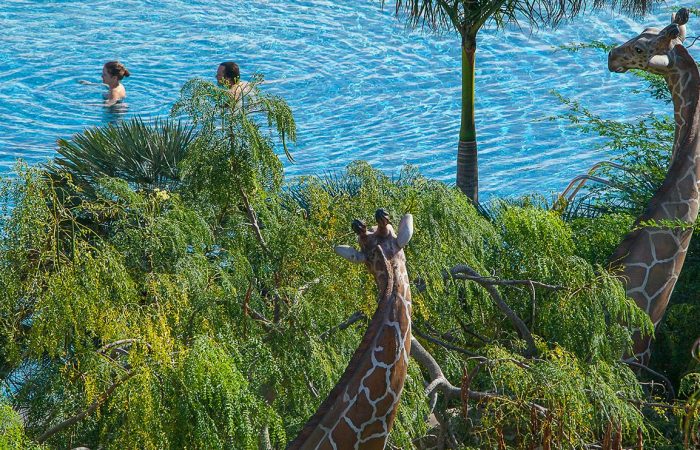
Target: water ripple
[{"x": 360, "y": 84}]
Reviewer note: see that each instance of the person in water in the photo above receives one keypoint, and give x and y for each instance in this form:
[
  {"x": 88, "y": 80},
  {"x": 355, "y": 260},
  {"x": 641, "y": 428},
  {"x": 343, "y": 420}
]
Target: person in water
[
  {"x": 228, "y": 75},
  {"x": 113, "y": 73}
]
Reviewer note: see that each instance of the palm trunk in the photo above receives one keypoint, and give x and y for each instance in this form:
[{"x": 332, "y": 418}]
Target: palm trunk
[{"x": 467, "y": 164}]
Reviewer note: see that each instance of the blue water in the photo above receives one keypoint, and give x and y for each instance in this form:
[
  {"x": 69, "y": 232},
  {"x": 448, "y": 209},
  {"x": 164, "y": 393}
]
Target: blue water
[{"x": 361, "y": 86}]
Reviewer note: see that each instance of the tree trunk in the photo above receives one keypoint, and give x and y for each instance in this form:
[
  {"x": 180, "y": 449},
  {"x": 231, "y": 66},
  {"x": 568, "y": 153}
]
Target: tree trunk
[{"x": 467, "y": 164}]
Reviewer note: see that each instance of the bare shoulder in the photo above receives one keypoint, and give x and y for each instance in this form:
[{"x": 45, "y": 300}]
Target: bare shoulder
[{"x": 115, "y": 95}]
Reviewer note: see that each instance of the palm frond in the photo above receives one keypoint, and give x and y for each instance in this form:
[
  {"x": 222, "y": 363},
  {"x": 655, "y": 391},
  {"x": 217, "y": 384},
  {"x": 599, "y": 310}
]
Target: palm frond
[
  {"x": 468, "y": 16},
  {"x": 147, "y": 156}
]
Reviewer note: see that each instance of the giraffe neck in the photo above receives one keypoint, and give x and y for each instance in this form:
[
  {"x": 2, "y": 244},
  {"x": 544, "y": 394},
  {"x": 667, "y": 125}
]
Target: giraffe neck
[
  {"x": 652, "y": 257},
  {"x": 360, "y": 410},
  {"x": 683, "y": 84},
  {"x": 676, "y": 199}
]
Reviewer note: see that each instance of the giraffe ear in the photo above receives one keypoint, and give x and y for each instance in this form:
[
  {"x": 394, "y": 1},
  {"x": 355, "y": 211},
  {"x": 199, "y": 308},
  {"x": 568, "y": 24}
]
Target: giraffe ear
[
  {"x": 659, "y": 62},
  {"x": 350, "y": 254},
  {"x": 405, "y": 230}
]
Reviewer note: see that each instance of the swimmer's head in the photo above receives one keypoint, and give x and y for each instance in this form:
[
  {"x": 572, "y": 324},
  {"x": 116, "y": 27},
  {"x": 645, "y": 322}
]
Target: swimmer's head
[
  {"x": 113, "y": 72},
  {"x": 228, "y": 73}
]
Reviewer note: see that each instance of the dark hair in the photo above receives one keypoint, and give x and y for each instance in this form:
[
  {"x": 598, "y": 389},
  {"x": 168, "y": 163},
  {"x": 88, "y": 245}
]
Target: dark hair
[
  {"x": 117, "y": 69},
  {"x": 231, "y": 71}
]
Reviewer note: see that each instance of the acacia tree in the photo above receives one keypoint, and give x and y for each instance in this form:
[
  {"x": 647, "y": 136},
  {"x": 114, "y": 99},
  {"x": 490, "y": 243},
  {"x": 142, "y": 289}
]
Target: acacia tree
[{"x": 467, "y": 17}]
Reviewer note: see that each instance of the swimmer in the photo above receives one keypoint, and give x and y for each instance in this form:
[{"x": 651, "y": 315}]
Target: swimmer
[
  {"x": 228, "y": 75},
  {"x": 113, "y": 73}
]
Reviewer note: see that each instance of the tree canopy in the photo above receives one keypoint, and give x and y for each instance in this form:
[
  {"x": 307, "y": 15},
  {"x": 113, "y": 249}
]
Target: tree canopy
[{"x": 211, "y": 312}]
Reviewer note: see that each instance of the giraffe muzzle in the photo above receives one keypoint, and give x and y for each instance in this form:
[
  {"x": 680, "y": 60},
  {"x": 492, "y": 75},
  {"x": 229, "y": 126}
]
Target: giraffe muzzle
[{"x": 613, "y": 64}]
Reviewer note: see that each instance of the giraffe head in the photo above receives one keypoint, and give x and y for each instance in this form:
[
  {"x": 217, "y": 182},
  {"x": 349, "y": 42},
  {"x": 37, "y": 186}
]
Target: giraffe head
[
  {"x": 650, "y": 50},
  {"x": 379, "y": 243}
]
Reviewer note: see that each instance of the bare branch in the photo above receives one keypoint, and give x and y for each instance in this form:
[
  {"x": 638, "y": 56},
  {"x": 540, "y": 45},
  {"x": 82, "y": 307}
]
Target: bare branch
[
  {"x": 470, "y": 332},
  {"x": 425, "y": 359},
  {"x": 305, "y": 287},
  {"x": 265, "y": 443},
  {"x": 259, "y": 317},
  {"x": 488, "y": 284},
  {"x": 121, "y": 342}
]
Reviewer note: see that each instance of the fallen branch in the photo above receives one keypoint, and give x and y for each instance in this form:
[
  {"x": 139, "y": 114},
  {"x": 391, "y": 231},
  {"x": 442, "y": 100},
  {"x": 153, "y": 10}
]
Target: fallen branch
[
  {"x": 81, "y": 415},
  {"x": 463, "y": 271}
]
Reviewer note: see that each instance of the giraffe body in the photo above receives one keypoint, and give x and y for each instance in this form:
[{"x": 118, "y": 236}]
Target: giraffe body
[
  {"x": 360, "y": 410},
  {"x": 651, "y": 257}
]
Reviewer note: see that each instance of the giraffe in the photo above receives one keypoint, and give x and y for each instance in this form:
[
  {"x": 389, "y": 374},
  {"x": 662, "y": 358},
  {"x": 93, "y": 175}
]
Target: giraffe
[
  {"x": 360, "y": 410},
  {"x": 651, "y": 257}
]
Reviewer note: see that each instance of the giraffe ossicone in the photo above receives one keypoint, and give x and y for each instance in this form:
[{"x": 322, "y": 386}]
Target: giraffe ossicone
[
  {"x": 651, "y": 257},
  {"x": 360, "y": 410}
]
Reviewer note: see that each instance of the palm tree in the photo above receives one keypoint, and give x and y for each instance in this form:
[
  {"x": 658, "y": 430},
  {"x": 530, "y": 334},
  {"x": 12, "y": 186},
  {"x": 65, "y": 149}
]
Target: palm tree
[{"x": 467, "y": 17}]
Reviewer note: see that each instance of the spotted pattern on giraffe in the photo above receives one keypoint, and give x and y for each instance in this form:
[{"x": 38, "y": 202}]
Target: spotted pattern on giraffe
[
  {"x": 360, "y": 410},
  {"x": 652, "y": 257}
]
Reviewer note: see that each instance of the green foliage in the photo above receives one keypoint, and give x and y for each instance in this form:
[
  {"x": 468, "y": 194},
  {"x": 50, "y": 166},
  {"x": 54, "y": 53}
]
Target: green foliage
[
  {"x": 159, "y": 305},
  {"x": 643, "y": 148},
  {"x": 233, "y": 155},
  {"x": 470, "y": 16},
  {"x": 595, "y": 239},
  {"x": 145, "y": 155},
  {"x": 581, "y": 399},
  {"x": 12, "y": 435},
  {"x": 538, "y": 245},
  {"x": 204, "y": 314}
]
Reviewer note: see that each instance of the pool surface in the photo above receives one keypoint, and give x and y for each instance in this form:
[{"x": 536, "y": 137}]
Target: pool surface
[{"x": 361, "y": 86}]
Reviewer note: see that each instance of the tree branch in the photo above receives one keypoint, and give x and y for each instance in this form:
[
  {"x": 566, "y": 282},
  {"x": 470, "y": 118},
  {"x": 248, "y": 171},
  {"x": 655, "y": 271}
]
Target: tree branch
[
  {"x": 356, "y": 317},
  {"x": 459, "y": 272},
  {"x": 81, "y": 415},
  {"x": 496, "y": 282},
  {"x": 671, "y": 392},
  {"x": 252, "y": 217},
  {"x": 441, "y": 343},
  {"x": 440, "y": 382}
]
